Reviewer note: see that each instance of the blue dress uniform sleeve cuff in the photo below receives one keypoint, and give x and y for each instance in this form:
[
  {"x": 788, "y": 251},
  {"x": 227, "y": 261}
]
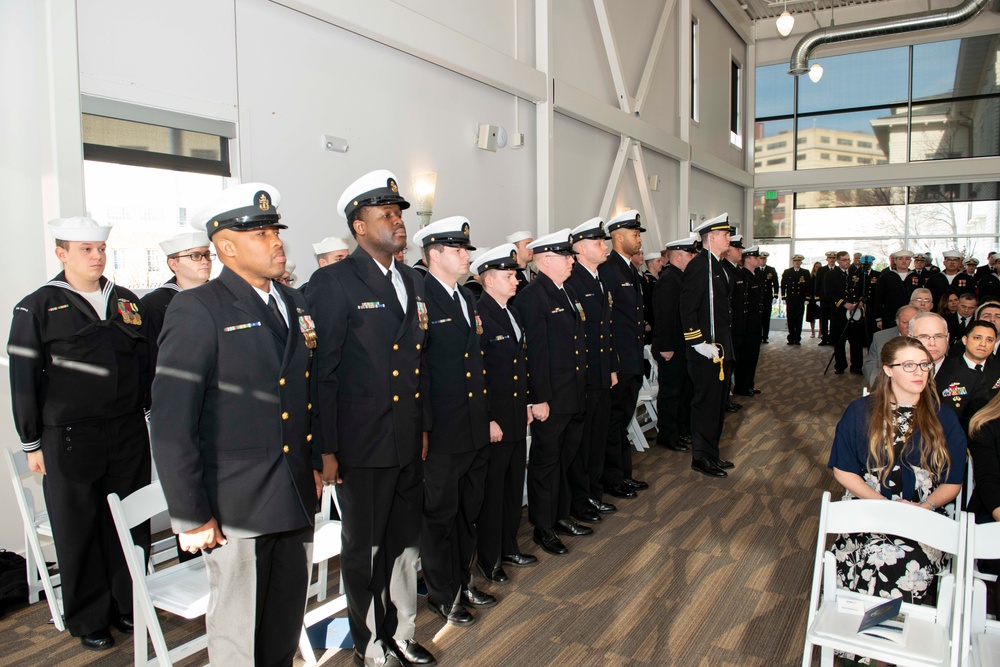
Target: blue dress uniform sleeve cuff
[{"x": 31, "y": 446}]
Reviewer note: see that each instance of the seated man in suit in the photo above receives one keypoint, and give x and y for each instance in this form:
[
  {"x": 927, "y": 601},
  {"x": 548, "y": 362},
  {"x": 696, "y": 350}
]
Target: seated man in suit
[
  {"x": 958, "y": 383},
  {"x": 959, "y": 321},
  {"x": 873, "y": 365}
]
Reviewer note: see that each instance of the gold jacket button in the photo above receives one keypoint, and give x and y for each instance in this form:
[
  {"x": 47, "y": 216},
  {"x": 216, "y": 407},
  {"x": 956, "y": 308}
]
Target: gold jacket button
[
  {"x": 416, "y": 371},
  {"x": 468, "y": 374},
  {"x": 416, "y": 395},
  {"x": 307, "y": 373},
  {"x": 515, "y": 377},
  {"x": 309, "y": 406},
  {"x": 285, "y": 449},
  {"x": 470, "y": 394},
  {"x": 395, "y": 347},
  {"x": 395, "y": 399},
  {"x": 309, "y": 438},
  {"x": 284, "y": 416},
  {"x": 418, "y": 346},
  {"x": 466, "y": 355},
  {"x": 484, "y": 391},
  {"x": 515, "y": 394},
  {"x": 395, "y": 373},
  {"x": 281, "y": 382}
]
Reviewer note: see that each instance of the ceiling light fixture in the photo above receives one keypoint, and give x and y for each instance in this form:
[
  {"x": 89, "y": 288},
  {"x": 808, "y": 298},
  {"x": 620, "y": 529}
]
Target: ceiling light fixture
[
  {"x": 785, "y": 22},
  {"x": 815, "y": 72}
]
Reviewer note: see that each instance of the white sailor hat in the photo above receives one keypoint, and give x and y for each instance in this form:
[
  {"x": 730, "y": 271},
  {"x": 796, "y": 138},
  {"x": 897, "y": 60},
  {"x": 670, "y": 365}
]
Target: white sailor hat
[
  {"x": 330, "y": 244},
  {"x": 78, "y": 228},
  {"x": 650, "y": 256},
  {"x": 592, "y": 229},
  {"x": 952, "y": 254},
  {"x": 376, "y": 188},
  {"x": 519, "y": 236},
  {"x": 556, "y": 242},
  {"x": 689, "y": 244},
  {"x": 502, "y": 258},
  {"x": 736, "y": 241},
  {"x": 184, "y": 241},
  {"x": 627, "y": 220},
  {"x": 901, "y": 253},
  {"x": 453, "y": 232},
  {"x": 719, "y": 223},
  {"x": 242, "y": 208},
  {"x": 753, "y": 251}
]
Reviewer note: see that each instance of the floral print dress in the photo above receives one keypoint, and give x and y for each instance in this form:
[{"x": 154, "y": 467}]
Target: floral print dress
[{"x": 885, "y": 565}]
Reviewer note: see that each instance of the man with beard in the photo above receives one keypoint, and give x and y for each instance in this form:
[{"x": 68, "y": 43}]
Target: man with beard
[
  {"x": 587, "y": 468},
  {"x": 673, "y": 401},
  {"x": 371, "y": 370},
  {"x": 239, "y": 469}
]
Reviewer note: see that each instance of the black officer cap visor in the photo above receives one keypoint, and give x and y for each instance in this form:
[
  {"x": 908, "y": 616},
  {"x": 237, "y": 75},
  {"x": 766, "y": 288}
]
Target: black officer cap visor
[
  {"x": 557, "y": 248},
  {"x": 245, "y": 219},
  {"x": 626, "y": 224},
  {"x": 459, "y": 240},
  {"x": 595, "y": 233},
  {"x": 501, "y": 264},
  {"x": 377, "y": 197}
]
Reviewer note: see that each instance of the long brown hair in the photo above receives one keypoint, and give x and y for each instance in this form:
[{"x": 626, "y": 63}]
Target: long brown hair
[
  {"x": 988, "y": 413},
  {"x": 882, "y": 423}
]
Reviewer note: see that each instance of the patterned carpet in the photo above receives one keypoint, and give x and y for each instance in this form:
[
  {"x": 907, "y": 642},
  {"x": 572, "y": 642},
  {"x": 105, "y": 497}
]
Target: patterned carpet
[{"x": 695, "y": 572}]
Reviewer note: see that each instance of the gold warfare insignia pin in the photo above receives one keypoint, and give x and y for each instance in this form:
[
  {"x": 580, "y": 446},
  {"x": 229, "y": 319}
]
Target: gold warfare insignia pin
[
  {"x": 465, "y": 228},
  {"x": 393, "y": 186},
  {"x": 263, "y": 201}
]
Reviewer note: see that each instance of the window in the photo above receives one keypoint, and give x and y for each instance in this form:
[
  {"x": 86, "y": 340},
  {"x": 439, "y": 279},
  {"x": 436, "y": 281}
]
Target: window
[
  {"x": 864, "y": 144},
  {"x": 757, "y": 163},
  {"x": 800, "y": 156},
  {"x": 801, "y": 140},
  {"x": 824, "y": 140},
  {"x": 735, "y": 102},
  {"x": 844, "y": 142},
  {"x": 777, "y": 160},
  {"x": 824, "y": 156},
  {"x": 144, "y": 169},
  {"x": 843, "y": 158},
  {"x": 864, "y": 160},
  {"x": 777, "y": 144},
  {"x": 694, "y": 69}
]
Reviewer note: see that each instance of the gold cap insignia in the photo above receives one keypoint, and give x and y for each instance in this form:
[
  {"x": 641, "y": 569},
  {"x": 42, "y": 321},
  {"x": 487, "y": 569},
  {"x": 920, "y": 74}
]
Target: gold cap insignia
[
  {"x": 601, "y": 226},
  {"x": 513, "y": 255},
  {"x": 393, "y": 186},
  {"x": 637, "y": 217},
  {"x": 465, "y": 228},
  {"x": 263, "y": 201}
]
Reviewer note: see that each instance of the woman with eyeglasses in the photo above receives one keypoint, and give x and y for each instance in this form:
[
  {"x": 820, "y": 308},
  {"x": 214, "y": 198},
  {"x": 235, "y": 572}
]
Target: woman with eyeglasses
[{"x": 897, "y": 445}]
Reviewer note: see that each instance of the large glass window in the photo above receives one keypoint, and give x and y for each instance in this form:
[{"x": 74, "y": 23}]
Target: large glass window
[{"x": 863, "y": 111}]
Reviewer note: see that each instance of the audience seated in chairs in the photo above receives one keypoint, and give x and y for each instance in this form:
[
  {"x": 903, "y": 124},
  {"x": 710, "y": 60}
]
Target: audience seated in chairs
[{"x": 897, "y": 444}]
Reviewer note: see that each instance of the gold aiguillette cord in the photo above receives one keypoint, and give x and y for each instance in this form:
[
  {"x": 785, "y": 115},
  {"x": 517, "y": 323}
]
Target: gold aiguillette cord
[{"x": 719, "y": 360}]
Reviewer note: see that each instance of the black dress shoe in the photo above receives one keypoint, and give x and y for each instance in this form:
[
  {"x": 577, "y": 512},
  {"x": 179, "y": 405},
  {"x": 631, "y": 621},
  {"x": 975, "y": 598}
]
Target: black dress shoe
[
  {"x": 546, "y": 538},
  {"x": 620, "y": 491},
  {"x": 454, "y": 614},
  {"x": 474, "y": 597},
  {"x": 685, "y": 439},
  {"x": 839, "y": 371},
  {"x": 125, "y": 623},
  {"x": 856, "y": 371},
  {"x": 586, "y": 515},
  {"x": 707, "y": 467},
  {"x": 724, "y": 464},
  {"x": 635, "y": 484},
  {"x": 519, "y": 560},
  {"x": 601, "y": 506},
  {"x": 748, "y": 393},
  {"x": 572, "y": 528},
  {"x": 98, "y": 640},
  {"x": 731, "y": 407},
  {"x": 765, "y": 341},
  {"x": 674, "y": 446},
  {"x": 757, "y": 391},
  {"x": 409, "y": 652},
  {"x": 494, "y": 574}
]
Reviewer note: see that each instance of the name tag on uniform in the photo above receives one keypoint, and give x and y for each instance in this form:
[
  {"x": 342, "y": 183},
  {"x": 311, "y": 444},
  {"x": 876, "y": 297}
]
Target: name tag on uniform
[
  {"x": 240, "y": 327},
  {"x": 370, "y": 305}
]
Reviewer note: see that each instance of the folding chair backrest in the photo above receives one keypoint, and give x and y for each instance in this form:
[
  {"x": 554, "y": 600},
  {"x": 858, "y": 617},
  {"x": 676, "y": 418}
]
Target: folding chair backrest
[{"x": 895, "y": 518}]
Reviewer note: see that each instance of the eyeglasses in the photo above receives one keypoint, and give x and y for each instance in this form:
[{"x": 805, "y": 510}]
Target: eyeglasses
[
  {"x": 910, "y": 366},
  {"x": 921, "y": 300},
  {"x": 198, "y": 256},
  {"x": 926, "y": 338}
]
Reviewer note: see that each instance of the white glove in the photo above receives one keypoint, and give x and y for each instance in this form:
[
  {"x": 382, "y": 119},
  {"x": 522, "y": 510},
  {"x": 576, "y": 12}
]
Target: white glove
[{"x": 707, "y": 350}]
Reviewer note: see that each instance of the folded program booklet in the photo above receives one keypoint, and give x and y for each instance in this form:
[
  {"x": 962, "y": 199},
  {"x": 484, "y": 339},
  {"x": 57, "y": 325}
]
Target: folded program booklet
[{"x": 885, "y": 621}]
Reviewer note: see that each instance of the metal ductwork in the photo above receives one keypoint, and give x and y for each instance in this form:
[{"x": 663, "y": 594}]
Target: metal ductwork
[{"x": 931, "y": 20}]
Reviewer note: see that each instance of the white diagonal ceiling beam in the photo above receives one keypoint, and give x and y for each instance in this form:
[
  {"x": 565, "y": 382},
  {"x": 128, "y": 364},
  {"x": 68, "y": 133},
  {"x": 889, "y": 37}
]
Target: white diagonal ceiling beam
[
  {"x": 615, "y": 179},
  {"x": 642, "y": 177},
  {"x": 614, "y": 62},
  {"x": 654, "y": 55}
]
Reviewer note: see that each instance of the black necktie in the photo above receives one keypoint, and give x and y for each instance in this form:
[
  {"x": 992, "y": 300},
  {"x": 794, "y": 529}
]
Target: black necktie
[
  {"x": 963, "y": 324},
  {"x": 458, "y": 302},
  {"x": 388, "y": 275},
  {"x": 979, "y": 367},
  {"x": 272, "y": 303}
]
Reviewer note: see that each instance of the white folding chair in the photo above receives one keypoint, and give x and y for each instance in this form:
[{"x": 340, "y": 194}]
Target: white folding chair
[
  {"x": 318, "y": 588},
  {"x": 36, "y": 528},
  {"x": 326, "y": 545},
  {"x": 179, "y": 588},
  {"x": 934, "y": 637},
  {"x": 980, "y": 634}
]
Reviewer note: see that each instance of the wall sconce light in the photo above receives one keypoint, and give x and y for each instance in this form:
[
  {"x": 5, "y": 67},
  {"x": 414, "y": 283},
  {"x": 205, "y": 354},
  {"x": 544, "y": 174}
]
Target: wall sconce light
[
  {"x": 815, "y": 72},
  {"x": 785, "y": 22},
  {"x": 424, "y": 186}
]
